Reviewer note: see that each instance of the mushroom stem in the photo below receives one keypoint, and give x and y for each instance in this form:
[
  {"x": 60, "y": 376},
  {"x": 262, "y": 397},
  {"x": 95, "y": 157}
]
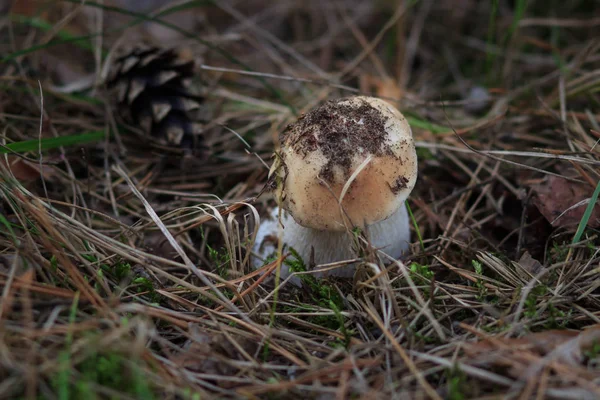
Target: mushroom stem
[{"x": 391, "y": 235}]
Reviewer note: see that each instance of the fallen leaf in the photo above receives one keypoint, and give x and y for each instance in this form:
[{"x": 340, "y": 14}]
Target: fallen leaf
[
  {"x": 529, "y": 264},
  {"x": 540, "y": 343},
  {"x": 26, "y": 171},
  {"x": 386, "y": 88},
  {"x": 562, "y": 202},
  {"x": 22, "y": 7},
  {"x": 527, "y": 355}
]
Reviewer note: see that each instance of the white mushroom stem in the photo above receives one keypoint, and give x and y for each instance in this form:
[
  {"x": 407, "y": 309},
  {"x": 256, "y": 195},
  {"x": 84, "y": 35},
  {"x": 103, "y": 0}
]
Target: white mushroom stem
[{"x": 391, "y": 236}]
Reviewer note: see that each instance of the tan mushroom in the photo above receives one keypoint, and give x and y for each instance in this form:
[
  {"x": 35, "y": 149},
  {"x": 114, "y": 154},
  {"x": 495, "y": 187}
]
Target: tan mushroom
[{"x": 348, "y": 163}]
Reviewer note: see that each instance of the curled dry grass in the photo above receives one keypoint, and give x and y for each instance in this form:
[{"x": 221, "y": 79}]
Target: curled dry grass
[{"x": 126, "y": 270}]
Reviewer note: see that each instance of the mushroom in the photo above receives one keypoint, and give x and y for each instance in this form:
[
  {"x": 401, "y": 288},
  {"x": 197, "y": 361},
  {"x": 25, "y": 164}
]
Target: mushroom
[{"x": 349, "y": 163}]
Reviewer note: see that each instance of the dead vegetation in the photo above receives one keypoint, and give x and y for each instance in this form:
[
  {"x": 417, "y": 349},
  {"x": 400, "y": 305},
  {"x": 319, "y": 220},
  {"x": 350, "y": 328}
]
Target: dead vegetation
[{"x": 125, "y": 266}]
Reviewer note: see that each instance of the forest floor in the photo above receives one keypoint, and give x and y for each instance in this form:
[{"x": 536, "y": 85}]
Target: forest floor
[{"x": 125, "y": 264}]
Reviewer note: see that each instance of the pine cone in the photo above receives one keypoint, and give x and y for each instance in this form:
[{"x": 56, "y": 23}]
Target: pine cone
[{"x": 152, "y": 86}]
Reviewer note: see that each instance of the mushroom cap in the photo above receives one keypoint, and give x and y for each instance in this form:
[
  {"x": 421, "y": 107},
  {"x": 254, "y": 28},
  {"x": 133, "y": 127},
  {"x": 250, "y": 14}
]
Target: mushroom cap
[{"x": 357, "y": 149}]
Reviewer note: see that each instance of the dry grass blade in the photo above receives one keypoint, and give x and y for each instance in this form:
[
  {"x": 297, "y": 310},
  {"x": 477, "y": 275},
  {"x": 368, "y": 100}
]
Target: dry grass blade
[
  {"x": 127, "y": 265},
  {"x": 176, "y": 246}
]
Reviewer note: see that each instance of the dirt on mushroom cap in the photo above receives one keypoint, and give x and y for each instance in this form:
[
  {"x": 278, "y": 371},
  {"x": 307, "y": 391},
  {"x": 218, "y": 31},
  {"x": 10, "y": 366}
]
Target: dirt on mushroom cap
[{"x": 341, "y": 129}]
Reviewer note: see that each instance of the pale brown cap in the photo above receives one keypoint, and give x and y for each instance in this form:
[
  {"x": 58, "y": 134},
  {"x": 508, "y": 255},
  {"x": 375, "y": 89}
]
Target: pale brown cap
[{"x": 362, "y": 140}]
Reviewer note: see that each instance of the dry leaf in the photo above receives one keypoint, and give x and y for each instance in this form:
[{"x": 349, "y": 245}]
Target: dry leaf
[
  {"x": 26, "y": 171},
  {"x": 529, "y": 264},
  {"x": 527, "y": 355},
  {"x": 540, "y": 343},
  {"x": 22, "y": 7},
  {"x": 386, "y": 88},
  {"x": 562, "y": 202}
]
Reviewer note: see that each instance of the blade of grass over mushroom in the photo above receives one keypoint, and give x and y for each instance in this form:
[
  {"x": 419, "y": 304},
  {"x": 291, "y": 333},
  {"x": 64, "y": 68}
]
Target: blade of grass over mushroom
[
  {"x": 587, "y": 214},
  {"x": 52, "y": 143}
]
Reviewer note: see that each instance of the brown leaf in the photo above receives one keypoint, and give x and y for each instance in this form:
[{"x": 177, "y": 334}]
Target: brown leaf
[
  {"x": 26, "y": 171},
  {"x": 555, "y": 195},
  {"x": 385, "y": 88},
  {"x": 528, "y": 354},
  {"x": 22, "y": 7},
  {"x": 539, "y": 343},
  {"x": 530, "y": 264}
]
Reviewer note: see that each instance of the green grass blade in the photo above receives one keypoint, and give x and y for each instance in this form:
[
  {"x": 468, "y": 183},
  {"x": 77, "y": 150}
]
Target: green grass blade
[
  {"x": 415, "y": 122},
  {"x": 64, "y": 358},
  {"x": 9, "y": 228},
  {"x": 490, "y": 39},
  {"x": 414, "y": 221},
  {"x": 587, "y": 214},
  {"x": 52, "y": 143},
  {"x": 520, "y": 8},
  {"x": 40, "y": 24}
]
